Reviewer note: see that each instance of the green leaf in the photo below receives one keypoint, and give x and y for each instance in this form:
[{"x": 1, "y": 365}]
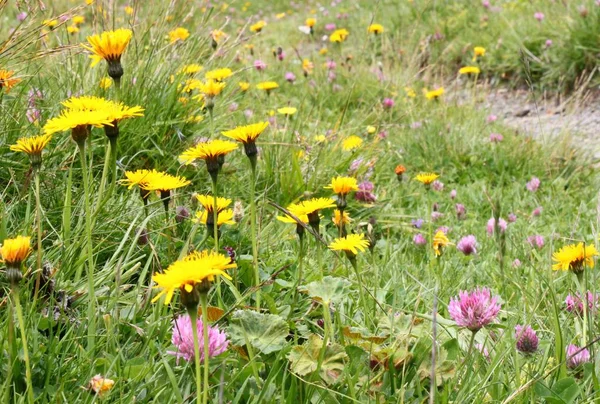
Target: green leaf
[
  {"x": 444, "y": 369},
  {"x": 329, "y": 289},
  {"x": 265, "y": 332},
  {"x": 304, "y": 359},
  {"x": 565, "y": 390}
]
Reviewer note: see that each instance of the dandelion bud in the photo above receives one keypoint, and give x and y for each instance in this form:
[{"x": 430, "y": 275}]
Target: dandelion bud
[
  {"x": 181, "y": 214},
  {"x": 143, "y": 237},
  {"x": 112, "y": 132},
  {"x": 238, "y": 211},
  {"x": 115, "y": 70}
]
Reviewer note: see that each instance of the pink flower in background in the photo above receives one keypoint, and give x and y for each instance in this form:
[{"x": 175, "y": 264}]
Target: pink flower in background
[
  {"x": 364, "y": 193},
  {"x": 183, "y": 339},
  {"x": 453, "y": 194},
  {"x": 548, "y": 43},
  {"x": 248, "y": 113},
  {"x": 516, "y": 263},
  {"x": 437, "y": 185},
  {"x": 533, "y": 184},
  {"x": 491, "y": 226},
  {"x": 22, "y": 16},
  {"x": 467, "y": 245},
  {"x": 512, "y": 218},
  {"x": 436, "y": 216},
  {"x": 496, "y": 137},
  {"x": 291, "y": 77},
  {"x": 281, "y": 56},
  {"x": 483, "y": 350},
  {"x": 330, "y": 27},
  {"x": 388, "y": 103},
  {"x": 474, "y": 310},
  {"x": 527, "y": 339},
  {"x": 260, "y": 65},
  {"x": 461, "y": 211},
  {"x": 491, "y": 118},
  {"x": 485, "y": 3},
  {"x": 419, "y": 240},
  {"x": 538, "y": 16},
  {"x": 536, "y": 241},
  {"x": 330, "y": 64},
  {"x": 574, "y": 303},
  {"x": 577, "y": 356},
  {"x": 537, "y": 211}
]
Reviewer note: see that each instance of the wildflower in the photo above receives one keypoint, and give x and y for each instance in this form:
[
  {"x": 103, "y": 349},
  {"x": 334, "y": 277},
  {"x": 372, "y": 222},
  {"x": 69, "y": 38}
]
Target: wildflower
[
  {"x": 453, "y": 194},
  {"x": 244, "y": 86},
  {"x": 491, "y": 118},
  {"x": 574, "y": 303},
  {"x": 310, "y": 22},
  {"x": 461, "y": 211},
  {"x": 577, "y": 356},
  {"x": 105, "y": 83},
  {"x": 164, "y": 183},
  {"x": 78, "y": 122},
  {"x": 216, "y": 37},
  {"x": 491, "y": 226},
  {"x": 190, "y": 69},
  {"x": 268, "y": 86},
  {"x": 342, "y": 186},
  {"x": 260, "y": 65},
  {"x": 218, "y": 74},
  {"x": 351, "y": 245},
  {"x": 496, "y": 137},
  {"x": 299, "y": 213},
  {"x": 483, "y": 350},
  {"x": 437, "y": 186},
  {"x": 183, "y": 339},
  {"x": 210, "y": 89},
  {"x": 371, "y": 129},
  {"x": 207, "y": 218},
  {"x": 426, "y": 178},
  {"x": 527, "y": 340},
  {"x": 7, "y": 80},
  {"x": 21, "y": 16},
  {"x": 212, "y": 152},
  {"x": 109, "y": 46},
  {"x": 15, "y": 250},
  {"x": 533, "y": 184},
  {"x": 50, "y": 23},
  {"x": 512, "y": 218},
  {"x": 307, "y": 67},
  {"x": 364, "y": 193},
  {"x": 419, "y": 240},
  {"x": 339, "y": 35},
  {"x": 478, "y": 51},
  {"x": 141, "y": 178},
  {"x": 539, "y": 16},
  {"x": 195, "y": 272},
  {"x": 536, "y": 241},
  {"x": 399, "y": 171},
  {"x": 341, "y": 218},
  {"x": 33, "y": 147},
  {"x": 439, "y": 242},
  {"x": 388, "y": 103},
  {"x": 537, "y": 211},
  {"x": 258, "y": 26},
  {"x": 548, "y": 43},
  {"x": 574, "y": 257},
  {"x": 410, "y": 93},
  {"x": 181, "y": 214},
  {"x": 416, "y": 223},
  {"x": 178, "y": 35},
  {"x": 467, "y": 245},
  {"x": 375, "y": 29},
  {"x": 469, "y": 70},
  {"x": 435, "y": 215},
  {"x": 330, "y": 27},
  {"x": 434, "y": 94},
  {"x": 247, "y": 135},
  {"x": 474, "y": 310},
  {"x": 351, "y": 143},
  {"x": 100, "y": 385},
  {"x": 516, "y": 263}
]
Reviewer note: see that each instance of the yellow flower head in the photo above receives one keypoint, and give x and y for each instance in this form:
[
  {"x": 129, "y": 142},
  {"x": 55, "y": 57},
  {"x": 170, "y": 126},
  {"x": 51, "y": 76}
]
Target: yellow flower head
[
  {"x": 320, "y": 138},
  {"x": 72, "y": 29},
  {"x": 118, "y": 112},
  {"x": 469, "y": 70},
  {"x": 224, "y": 217},
  {"x": 439, "y": 242},
  {"x": 307, "y": 66},
  {"x": 164, "y": 182},
  {"x": 247, "y": 133},
  {"x": 217, "y": 35},
  {"x": 101, "y": 385},
  {"x": 105, "y": 83},
  {"x": 129, "y": 10},
  {"x": 244, "y": 86},
  {"x": 339, "y": 35},
  {"x": 479, "y": 51},
  {"x": 208, "y": 203},
  {"x": 50, "y": 23},
  {"x": 267, "y": 85},
  {"x": 190, "y": 69},
  {"x": 310, "y": 22},
  {"x": 218, "y": 74},
  {"x": 343, "y": 185},
  {"x": 208, "y": 151},
  {"x": 434, "y": 94},
  {"x": 313, "y": 205},
  {"x": 33, "y": 145},
  {"x": 139, "y": 177},
  {"x": 72, "y": 119},
  {"x": 574, "y": 257},
  {"x": 7, "y": 80},
  {"x": 15, "y": 250},
  {"x": 296, "y": 210},
  {"x": 351, "y": 143},
  {"x": 410, "y": 93},
  {"x": 78, "y": 19},
  {"x": 109, "y": 45},
  {"x": 179, "y": 34},
  {"x": 375, "y": 29},
  {"x": 258, "y": 26},
  {"x": 191, "y": 271},
  {"x": 211, "y": 88},
  {"x": 426, "y": 178},
  {"x": 341, "y": 219},
  {"x": 287, "y": 110},
  {"x": 351, "y": 244},
  {"x": 86, "y": 103}
]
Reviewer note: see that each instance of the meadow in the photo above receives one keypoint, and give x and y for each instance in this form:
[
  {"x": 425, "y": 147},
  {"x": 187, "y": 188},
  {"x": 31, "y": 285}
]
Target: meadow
[{"x": 292, "y": 202}]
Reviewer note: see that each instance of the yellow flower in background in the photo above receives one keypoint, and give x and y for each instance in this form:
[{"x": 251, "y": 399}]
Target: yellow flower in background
[
  {"x": 141, "y": 178},
  {"x": 76, "y": 120},
  {"x": 246, "y": 133},
  {"x": 323, "y": 51},
  {"x": 32, "y": 146},
  {"x": 217, "y": 35},
  {"x": 310, "y": 22},
  {"x": 211, "y": 88},
  {"x": 191, "y": 271},
  {"x": 320, "y": 138},
  {"x": 469, "y": 70},
  {"x": 164, "y": 182},
  {"x": 129, "y": 10},
  {"x": 7, "y": 80},
  {"x": 307, "y": 66},
  {"x": 78, "y": 20},
  {"x": 105, "y": 83},
  {"x": 287, "y": 111},
  {"x": 179, "y": 34},
  {"x": 72, "y": 29},
  {"x": 339, "y": 35},
  {"x": 279, "y": 16},
  {"x": 339, "y": 219},
  {"x": 208, "y": 151},
  {"x": 15, "y": 250},
  {"x": 478, "y": 51},
  {"x": 371, "y": 129},
  {"x": 267, "y": 86},
  {"x": 375, "y": 29},
  {"x": 410, "y": 93},
  {"x": 195, "y": 119},
  {"x": 351, "y": 143},
  {"x": 244, "y": 86},
  {"x": 50, "y": 23},
  {"x": 258, "y": 26},
  {"x": 190, "y": 69},
  {"x": 343, "y": 185},
  {"x": 218, "y": 74},
  {"x": 439, "y": 242},
  {"x": 574, "y": 257},
  {"x": 426, "y": 178},
  {"x": 351, "y": 244},
  {"x": 223, "y": 217},
  {"x": 100, "y": 385},
  {"x": 109, "y": 45},
  {"x": 434, "y": 94},
  {"x": 208, "y": 203}
]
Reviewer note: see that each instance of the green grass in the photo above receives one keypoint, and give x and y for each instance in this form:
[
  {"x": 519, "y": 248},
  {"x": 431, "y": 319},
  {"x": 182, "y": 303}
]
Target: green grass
[{"x": 392, "y": 322}]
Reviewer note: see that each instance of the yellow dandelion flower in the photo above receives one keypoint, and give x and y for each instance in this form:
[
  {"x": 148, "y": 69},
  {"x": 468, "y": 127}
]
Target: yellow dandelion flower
[
  {"x": 33, "y": 145},
  {"x": 339, "y": 35},
  {"x": 469, "y": 70},
  {"x": 78, "y": 120},
  {"x": 307, "y": 66},
  {"x": 208, "y": 203},
  {"x": 118, "y": 112},
  {"x": 574, "y": 257},
  {"x": 351, "y": 143},
  {"x": 244, "y": 86},
  {"x": 351, "y": 244},
  {"x": 129, "y": 10},
  {"x": 343, "y": 185},
  {"x": 217, "y": 35},
  {"x": 140, "y": 178},
  {"x": 339, "y": 219},
  {"x": 323, "y": 51},
  {"x": 439, "y": 242},
  {"x": 50, "y": 23},
  {"x": 310, "y": 22},
  {"x": 191, "y": 271},
  {"x": 223, "y": 217},
  {"x": 258, "y": 26},
  {"x": 7, "y": 79},
  {"x": 179, "y": 34},
  {"x": 211, "y": 88},
  {"x": 426, "y": 178},
  {"x": 287, "y": 111},
  {"x": 410, "y": 93},
  {"x": 267, "y": 86},
  {"x": 478, "y": 51},
  {"x": 434, "y": 94},
  {"x": 86, "y": 103},
  {"x": 279, "y": 16},
  {"x": 194, "y": 119},
  {"x": 109, "y": 46},
  {"x": 72, "y": 29},
  {"x": 246, "y": 133},
  {"x": 219, "y": 74},
  {"x": 164, "y": 182},
  {"x": 375, "y": 29},
  {"x": 105, "y": 83},
  {"x": 15, "y": 250},
  {"x": 320, "y": 138},
  {"x": 371, "y": 129},
  {"x": 208, "y": 151},
  {"x": 190, "y": 69},
  {"x": 314, "y": 205}
]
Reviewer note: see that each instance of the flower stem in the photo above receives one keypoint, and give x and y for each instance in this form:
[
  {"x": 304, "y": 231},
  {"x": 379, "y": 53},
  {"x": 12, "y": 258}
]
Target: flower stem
[
  {"x": 91, "y": 327},
  {"x": 216, "y": 232},
  {"x": 204, "y": 303},
  {"x": 15, "y": 292},
  {"x": 105, "y": 170},
  {"x": 299, "y": 279},
  {"x": 253, "y": 230},
  {"x": 38, "y": 214},
  {"x": 193, "y": 313}
]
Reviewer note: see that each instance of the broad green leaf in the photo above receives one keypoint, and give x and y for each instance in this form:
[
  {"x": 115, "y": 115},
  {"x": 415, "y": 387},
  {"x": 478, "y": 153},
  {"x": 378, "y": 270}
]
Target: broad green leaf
[
  {"x": 329, "y": 289},
  {"x": 304, "y": 359},
  {"x": 444, "y": 369},
  {"x": 265, "y": 332}
]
